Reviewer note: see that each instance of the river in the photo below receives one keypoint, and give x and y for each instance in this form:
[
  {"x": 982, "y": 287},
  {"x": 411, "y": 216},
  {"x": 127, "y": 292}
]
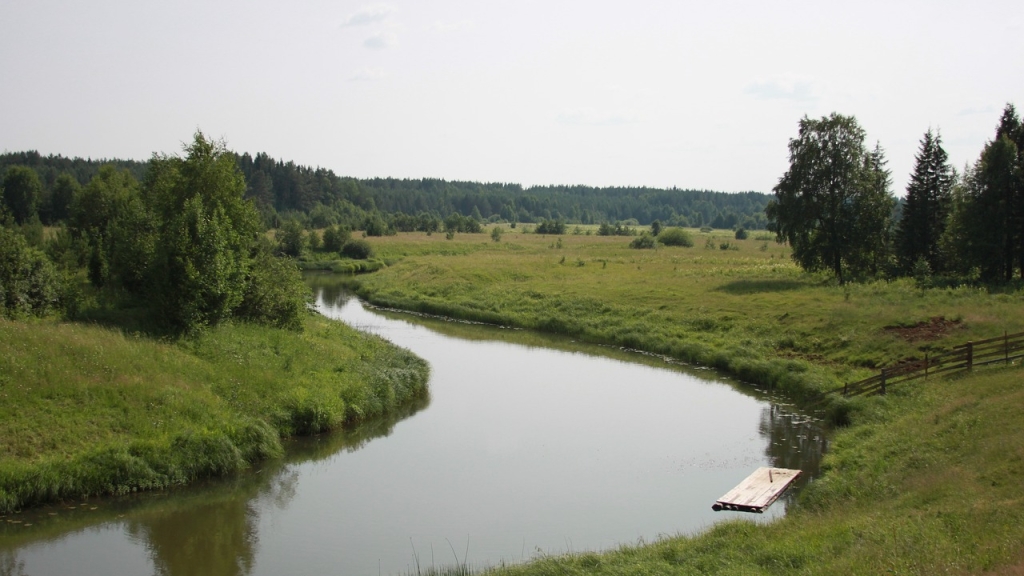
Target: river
[{"x": 529, "y": 444}]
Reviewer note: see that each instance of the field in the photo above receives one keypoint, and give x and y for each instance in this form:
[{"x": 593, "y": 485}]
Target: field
[
  {"x": 746, "y": 309},
  {"x": 925, "y": 480},
  {"x": 87, "y": 409}
]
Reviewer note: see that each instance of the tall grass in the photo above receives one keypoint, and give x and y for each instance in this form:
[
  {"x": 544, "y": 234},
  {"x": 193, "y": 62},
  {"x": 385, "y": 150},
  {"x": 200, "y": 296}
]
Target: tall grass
[
  {"x": 92, "y": 410},
  {"x": 747, "y": 311}
]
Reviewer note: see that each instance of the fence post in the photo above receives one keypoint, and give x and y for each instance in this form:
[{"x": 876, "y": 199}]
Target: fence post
[
  {"x": 883, "y": 381},
  {"x": 970, "y": 355}
]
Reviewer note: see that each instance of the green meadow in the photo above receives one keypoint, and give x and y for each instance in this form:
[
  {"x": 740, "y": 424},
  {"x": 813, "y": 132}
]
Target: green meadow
[
  {"x": 925, "y": 480},
  {"x": 88, "y": 409},
  {"x": 738, "y": 305}
]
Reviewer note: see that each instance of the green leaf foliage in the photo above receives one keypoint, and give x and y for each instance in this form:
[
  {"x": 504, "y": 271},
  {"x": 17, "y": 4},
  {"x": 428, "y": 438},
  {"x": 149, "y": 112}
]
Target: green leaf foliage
[
  {"x": 29, "y": 283},
  {"x": 643, "y": 241},
  {"x": 833, "y": 204},
  {"x": 21, "y": 193},
  {"x": 675, "y": 237},
  {"x": 357, "y": 249},
  {"x": 274, "y": 292}
]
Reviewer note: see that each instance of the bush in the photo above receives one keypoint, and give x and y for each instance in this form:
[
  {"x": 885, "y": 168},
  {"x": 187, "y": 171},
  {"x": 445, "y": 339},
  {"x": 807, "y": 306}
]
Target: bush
[
  {"x": 357, "y": 249},
  {"x": 291, "y": 241},
  {"x": 376, "y": 226},
  {"x": 618, "y": 229},
  {"x": 29, "y": 283},
  {"x": 675, "y": 237},
  {"x": 644, "y": 241},
  {"x": 741, "y": 234},
  {"x": 334, "y": 238},
  {"x": 275, "y": 294},
  {"x": 551, "y": 227},
  {"x": 456, "y": 222}
]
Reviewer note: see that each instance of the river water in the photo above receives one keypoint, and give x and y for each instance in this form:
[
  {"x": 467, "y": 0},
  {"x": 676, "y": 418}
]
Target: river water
[{"x": 529, "y": 444}]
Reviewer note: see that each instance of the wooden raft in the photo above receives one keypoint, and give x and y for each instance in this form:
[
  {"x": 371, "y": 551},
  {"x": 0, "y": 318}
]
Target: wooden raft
[{"x": 758, "y": 491}]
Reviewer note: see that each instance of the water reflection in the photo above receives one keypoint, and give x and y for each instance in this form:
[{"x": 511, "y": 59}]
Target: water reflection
[
  {"x": 10, "y": 565},
  {"x": 207, "y": 529},
  {"x": 545, "y": 445},
  {"x": 215, "y": 538}
]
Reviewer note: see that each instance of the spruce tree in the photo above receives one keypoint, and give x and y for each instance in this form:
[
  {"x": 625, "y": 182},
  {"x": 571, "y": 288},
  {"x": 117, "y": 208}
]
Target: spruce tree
[
  {"x": 926, "y": 207},
  {"x": 996, "y": 202}
]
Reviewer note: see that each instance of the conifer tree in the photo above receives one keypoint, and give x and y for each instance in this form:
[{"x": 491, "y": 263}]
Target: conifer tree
[
  {"x": 996, "y": 202},
  {"x": 927, "y": 206}
]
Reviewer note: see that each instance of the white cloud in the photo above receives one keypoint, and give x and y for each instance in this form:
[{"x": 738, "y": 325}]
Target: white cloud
[
  {"x": 369, "y": 14},
  {"x": 381, "y": 41},
  {"x": 596, "y": 117},
  {"x": 367, "y": 75},
  {"x": 987, "y": 110},
  {"x": 450, "y": 27},
  {"x": 782, "y": 89}
]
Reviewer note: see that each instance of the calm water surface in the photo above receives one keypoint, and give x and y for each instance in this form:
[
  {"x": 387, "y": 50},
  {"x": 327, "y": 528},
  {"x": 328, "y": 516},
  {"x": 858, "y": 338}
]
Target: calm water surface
[{"x": 523, "y": 449}]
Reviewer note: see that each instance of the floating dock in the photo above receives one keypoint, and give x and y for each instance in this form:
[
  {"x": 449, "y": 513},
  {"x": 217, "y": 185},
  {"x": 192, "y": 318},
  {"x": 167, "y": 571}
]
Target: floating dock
[{"x": 758, "y": 491}]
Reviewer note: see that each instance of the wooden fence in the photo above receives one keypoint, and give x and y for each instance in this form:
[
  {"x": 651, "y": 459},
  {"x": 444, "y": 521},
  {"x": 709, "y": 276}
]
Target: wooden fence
[{"x": 964, "y": 357}]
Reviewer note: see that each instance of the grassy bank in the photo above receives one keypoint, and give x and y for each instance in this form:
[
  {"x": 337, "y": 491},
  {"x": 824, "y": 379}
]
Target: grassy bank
[
  {"x": 91, "y": 410},
  {"x": 746, "y": 309},
  {"x": 924, "y": 481},
  {"x": 927, "y": 482}
]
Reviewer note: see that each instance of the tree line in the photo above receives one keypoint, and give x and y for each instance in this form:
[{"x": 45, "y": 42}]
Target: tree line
[
  {"x": 183, "y": 242},
  {"x": 319, "y": 198},
  {"x": 835, "y": 207}
]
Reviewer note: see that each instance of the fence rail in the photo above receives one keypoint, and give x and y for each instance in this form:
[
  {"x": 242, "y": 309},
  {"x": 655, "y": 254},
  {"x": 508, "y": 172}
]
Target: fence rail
[{"x": 963, "y": 357}]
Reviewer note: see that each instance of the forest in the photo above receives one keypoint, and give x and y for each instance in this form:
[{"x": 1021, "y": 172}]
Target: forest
[{"x": 318, "y": 198}]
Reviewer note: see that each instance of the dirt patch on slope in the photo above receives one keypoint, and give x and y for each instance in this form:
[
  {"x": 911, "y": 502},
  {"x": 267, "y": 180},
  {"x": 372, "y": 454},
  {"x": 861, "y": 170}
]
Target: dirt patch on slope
[{"x": 933, "y": 329}]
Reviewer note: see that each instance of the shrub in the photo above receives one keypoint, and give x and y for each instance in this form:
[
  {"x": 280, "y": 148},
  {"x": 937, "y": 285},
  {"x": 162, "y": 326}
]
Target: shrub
[
  {"x": 357, "y": 249},
  {"x": 675, "y": 237},
  {"x": 618, "y": 229},
  {"x": 334, "y": 238},
  {"x": 741, "y": 234},
  {"x": 290, "y": 239},
  {"x": 551, "y": 227},
  {"x": 644, "y": 241},
  {"x": 275, "y": 294},
  {"x": 375, "y": 226},
  {"x": 656, "y": 227},
  {"x": 29, "y": 283},
  {"x": 314, "y": 241}
]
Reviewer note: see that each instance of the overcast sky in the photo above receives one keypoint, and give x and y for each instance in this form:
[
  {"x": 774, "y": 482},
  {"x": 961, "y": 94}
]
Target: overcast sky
[{"x": 655, "y": 93}]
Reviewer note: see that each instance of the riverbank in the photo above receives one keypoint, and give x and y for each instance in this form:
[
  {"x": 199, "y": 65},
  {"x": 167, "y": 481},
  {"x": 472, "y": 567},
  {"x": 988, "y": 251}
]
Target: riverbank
[
  {"x": 746, "y": 309},
  {"x": 923, "y": 481},
  {"x": 926, "y": 482},
  {"x": 89, "y": 410}
]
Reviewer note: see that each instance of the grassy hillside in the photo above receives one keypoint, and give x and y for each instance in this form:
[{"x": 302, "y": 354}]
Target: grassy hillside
[
  {"x": 925, "y": 480},
  {"x": 746, "y": 309},
  {"x": 91, "y": 410}
]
